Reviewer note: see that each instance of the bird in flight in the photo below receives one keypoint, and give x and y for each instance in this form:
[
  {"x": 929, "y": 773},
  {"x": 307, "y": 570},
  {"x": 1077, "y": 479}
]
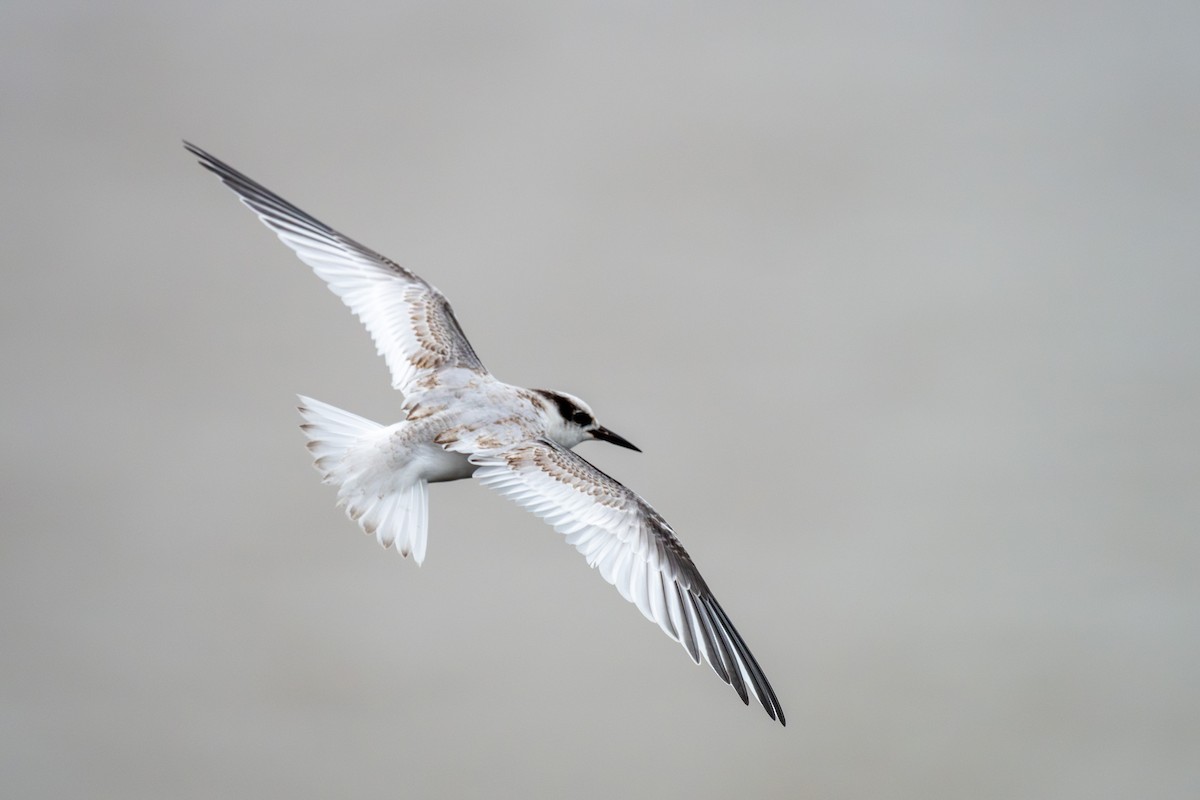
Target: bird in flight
[{"x": 459, "y": 421}]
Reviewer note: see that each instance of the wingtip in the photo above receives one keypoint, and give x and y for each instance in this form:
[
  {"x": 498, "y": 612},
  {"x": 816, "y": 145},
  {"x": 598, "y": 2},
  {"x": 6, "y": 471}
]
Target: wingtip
[{"x": 210, "y": 162}]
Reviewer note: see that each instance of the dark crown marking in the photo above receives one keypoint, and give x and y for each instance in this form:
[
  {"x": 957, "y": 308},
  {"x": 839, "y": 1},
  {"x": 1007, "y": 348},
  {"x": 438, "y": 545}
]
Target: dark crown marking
[{"x": 567, "y": 409}]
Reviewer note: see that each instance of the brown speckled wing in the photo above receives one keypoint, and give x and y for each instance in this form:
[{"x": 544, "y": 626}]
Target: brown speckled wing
[
  {"x": 411, "y": 322},
  {"x": 633, "y": 548}
]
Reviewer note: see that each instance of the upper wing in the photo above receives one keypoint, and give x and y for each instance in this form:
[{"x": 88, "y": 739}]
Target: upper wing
[
  {"x": 411, "y": 322},
  {"x": 635, "y": 550}
]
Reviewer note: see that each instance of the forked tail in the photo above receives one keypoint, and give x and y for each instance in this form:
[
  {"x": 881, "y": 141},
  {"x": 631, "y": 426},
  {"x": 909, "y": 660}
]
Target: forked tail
[{"x": 351, "y": 453}]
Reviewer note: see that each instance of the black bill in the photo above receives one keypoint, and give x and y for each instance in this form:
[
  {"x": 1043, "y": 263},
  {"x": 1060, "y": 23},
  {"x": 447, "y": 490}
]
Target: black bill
[{"x": 605, "y": 435}]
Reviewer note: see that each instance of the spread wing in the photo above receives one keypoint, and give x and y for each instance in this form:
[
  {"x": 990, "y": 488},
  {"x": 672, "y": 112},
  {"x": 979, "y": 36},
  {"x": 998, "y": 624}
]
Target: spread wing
[
  {"x": 411, "y": 322},
  {"x": 633, "y": 548}
]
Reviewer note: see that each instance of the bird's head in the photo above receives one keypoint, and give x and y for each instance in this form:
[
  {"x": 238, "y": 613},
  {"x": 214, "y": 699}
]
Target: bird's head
[{"x": 572, "y": 421}]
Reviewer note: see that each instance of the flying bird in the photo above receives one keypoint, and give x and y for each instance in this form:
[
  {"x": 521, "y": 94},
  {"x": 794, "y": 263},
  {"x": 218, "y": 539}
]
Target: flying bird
[{"x": 459, "y": 421}]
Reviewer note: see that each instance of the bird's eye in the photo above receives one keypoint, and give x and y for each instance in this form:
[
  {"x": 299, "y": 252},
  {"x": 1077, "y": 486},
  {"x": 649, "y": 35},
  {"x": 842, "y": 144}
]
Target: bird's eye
[{"x": 581, "y": 418}]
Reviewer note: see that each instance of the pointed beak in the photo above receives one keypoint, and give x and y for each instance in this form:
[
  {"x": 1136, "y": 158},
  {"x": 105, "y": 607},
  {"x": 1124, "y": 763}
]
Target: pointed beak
[{"x": 605, "y": 435}]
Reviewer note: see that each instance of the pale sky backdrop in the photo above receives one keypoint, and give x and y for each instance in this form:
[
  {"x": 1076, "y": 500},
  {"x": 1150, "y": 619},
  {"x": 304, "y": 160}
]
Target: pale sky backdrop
[{"x": 901, "y": 300}]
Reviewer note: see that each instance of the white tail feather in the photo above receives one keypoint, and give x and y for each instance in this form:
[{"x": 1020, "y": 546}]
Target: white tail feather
[{"x": 351, "y": 453}]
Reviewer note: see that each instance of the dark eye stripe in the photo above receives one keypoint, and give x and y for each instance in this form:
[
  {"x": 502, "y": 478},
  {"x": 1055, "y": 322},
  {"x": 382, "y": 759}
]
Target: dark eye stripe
[{"x": 566, "y": 408}]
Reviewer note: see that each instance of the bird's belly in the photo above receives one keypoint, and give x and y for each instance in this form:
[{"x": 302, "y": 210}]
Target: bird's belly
[{"x": 441, "y": 465}]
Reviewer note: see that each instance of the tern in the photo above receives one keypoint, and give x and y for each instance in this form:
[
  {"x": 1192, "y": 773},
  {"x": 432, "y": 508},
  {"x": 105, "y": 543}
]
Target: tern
[{"x": 459, "y": 421}]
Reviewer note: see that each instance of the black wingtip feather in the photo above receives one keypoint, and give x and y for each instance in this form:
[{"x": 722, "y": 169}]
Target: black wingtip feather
[{"x": 766, "y": 694}]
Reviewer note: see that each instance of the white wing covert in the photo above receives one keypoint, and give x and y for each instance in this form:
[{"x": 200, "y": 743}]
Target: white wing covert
[
  {"x": 411, "y": 322},
  {"x": 633, "y": 548}
]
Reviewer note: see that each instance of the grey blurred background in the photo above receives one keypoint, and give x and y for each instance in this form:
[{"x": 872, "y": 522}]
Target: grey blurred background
[{"x": 900, "y": 302}]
